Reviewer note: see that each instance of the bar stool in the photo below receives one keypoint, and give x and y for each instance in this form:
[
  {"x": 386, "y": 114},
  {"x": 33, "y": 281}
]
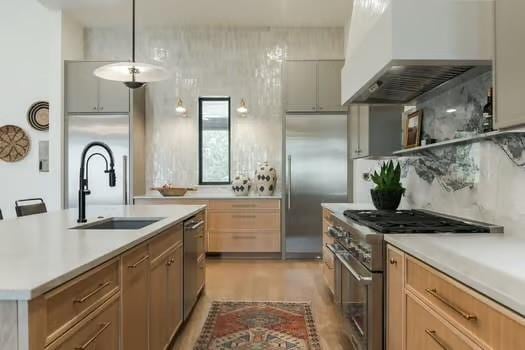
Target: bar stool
[{"x": 30, "y": 209}]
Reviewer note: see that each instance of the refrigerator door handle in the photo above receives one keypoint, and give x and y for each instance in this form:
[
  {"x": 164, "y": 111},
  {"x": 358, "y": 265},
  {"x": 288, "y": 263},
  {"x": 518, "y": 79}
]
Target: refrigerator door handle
[
  {"x": 289, "y": 182},
  {"x": 125, "y": 179}
]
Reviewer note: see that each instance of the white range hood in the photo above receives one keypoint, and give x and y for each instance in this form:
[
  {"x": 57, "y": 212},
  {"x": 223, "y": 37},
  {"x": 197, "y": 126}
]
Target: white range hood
[{"x": 397, "y": 50}]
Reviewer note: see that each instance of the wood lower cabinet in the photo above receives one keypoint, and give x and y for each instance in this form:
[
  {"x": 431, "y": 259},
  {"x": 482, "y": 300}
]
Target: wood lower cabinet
[
  {"x": 135, "y": 290},
  {"x": 166, "y": 286},
  {"x": 395, "y": 297},
  {"x": 438, "y": 312},
  {"x": 328, "y": 257}
]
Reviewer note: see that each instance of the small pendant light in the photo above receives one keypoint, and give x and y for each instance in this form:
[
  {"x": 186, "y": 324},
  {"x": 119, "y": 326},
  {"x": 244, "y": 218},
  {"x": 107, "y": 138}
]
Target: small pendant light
[
  {"x": 243, "y": 110},
  {"x": 133, "y": 74},
  {"x": 180, "y": 109}
]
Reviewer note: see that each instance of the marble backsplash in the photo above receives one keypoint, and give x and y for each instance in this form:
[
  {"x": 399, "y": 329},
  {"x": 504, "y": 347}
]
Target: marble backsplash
[
  {"x": 481, "y": 181},
  {"x": 240, "y": 63}
]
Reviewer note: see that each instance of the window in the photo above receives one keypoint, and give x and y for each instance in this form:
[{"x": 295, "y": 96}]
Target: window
[{"x": 214, "y": 140}]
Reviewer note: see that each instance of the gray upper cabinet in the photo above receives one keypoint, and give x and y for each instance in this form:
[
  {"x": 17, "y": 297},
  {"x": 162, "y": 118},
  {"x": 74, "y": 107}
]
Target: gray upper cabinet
[
  {"x": 375, "y": 131},
  {"x": 510, "y": 55},
  {"x": 85, "y": 93},
  {"x": 329, "y": 86},
  {"x": 313, "y": 86},
  {"x": 301, "y": 86}
]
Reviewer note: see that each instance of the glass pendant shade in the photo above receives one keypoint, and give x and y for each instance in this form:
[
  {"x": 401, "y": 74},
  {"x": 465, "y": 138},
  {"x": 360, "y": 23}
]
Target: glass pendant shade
[{"x": 180, "y": 107}]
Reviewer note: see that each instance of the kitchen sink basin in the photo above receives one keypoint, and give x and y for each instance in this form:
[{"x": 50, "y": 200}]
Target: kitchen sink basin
[{"x": 119, "y": 224}]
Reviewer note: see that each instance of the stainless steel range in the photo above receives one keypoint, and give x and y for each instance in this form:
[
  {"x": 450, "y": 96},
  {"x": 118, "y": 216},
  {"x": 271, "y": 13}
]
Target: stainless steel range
[{"x": 359, "y": 254}]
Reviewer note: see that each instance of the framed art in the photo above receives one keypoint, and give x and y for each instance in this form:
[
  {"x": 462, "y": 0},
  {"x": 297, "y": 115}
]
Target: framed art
[{"x": 412, "y": 130}]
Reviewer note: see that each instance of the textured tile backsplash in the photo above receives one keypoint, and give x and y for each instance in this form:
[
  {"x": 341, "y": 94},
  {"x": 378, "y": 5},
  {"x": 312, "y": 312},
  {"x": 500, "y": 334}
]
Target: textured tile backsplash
[{"x": 240, "y": 63}]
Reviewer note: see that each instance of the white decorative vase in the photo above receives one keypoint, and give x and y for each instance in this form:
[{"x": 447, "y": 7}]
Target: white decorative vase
[
  {"x": 241, "y": 185},
  {"x": 265, "y": 179}
]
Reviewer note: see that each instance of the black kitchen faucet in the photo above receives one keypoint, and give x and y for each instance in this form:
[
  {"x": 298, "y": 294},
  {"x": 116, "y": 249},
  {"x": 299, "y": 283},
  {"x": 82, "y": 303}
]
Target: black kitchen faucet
[{"x": 83, "y": 189}]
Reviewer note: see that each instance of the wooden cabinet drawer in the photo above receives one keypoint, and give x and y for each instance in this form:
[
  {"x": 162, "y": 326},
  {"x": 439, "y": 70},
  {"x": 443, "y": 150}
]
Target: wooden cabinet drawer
[
  {"x": 68, "y": 304},
  {"x": 428, "y": 331},
  {"x": 328, "y": 257},
  {"x": 165, "y": 241},
  {"x": 241, "y": 204},
  {"x": 244, "y": 221},
  {"x": 329, "y": 277},
  {"x": 201, "y": 272},
  {"x": 477, "y": 316},
  {"x": 100, "y": 331},
  {"x": 245, "y": 242},
  {"x": 395, "y": 298}
]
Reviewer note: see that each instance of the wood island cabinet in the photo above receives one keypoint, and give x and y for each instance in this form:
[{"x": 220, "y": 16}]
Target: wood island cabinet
[
  {"x": 132, "y": 302},
  {"x": 135, "y": 289},
  {"x": 328, "y": 257},
  {"x": 427, "y": 309}
]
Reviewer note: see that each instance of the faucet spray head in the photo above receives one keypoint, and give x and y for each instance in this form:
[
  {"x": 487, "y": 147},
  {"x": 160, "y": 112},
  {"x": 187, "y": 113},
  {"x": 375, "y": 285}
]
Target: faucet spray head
[{"x": 112, "y": 177}]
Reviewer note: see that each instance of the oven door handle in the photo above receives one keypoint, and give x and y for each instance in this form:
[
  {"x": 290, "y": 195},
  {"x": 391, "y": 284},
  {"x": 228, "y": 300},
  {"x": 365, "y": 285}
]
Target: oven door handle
[
  {"x": 334, "y": 232},
  {"x": 363, "y": 280}
]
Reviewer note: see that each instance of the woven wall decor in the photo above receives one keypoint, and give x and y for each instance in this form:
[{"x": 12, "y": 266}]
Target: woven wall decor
[
  {"x": 38, "y": 115},
  {"x": 14, "y": 143}
]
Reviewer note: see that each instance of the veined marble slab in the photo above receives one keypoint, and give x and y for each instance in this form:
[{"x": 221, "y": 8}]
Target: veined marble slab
[
  {"x": 493, "y": 265},
  {"x": 40, "y": 252},
  {"x": 339, "y": 208}
]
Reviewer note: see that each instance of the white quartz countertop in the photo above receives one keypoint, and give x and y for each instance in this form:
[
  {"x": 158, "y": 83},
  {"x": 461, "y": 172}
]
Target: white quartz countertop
[
  {"x": 206, "y": 195},
  {"x": 339, "y": 208},
  {"x": 494, "y": 264},
  {"x": 40, "y": 252}
]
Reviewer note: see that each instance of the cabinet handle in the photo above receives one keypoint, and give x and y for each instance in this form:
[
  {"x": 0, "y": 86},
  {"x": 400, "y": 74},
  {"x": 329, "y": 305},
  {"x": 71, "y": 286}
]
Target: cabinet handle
[
  {"x": 244, "y": 216},
  {"x": 89, "y": 295},
  {"x": 244, "y": 206},
  {"x": 200, "y": 236},
  {"x": 197, "y": 225},
  {"x": 102, "y": 328},
  {"x": 244, "y": 237},
  {"x": 432, "y": 334},
  {"x": 135, "y": 265},
  {"x": 95, "y": 108},
  {"x": 170, "y": 262},
  {"x": 450, "y": 304},
  {"x": 393, "y": 261}
]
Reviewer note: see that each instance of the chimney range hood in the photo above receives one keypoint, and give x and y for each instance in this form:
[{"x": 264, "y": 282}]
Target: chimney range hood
[{"x": 397, "y": 50}]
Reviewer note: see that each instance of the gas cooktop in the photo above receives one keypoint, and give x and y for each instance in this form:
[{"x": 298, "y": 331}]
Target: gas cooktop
[{"x": 411, "y": 221}]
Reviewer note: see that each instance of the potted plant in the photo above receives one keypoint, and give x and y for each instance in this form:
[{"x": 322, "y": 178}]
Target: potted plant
[{"x": 388, "y": 191}]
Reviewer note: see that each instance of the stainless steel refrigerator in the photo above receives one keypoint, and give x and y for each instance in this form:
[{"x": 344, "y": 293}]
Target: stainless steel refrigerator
[
  {"x": 316, "y": 161},
  {"x": 124, "y": 134}
]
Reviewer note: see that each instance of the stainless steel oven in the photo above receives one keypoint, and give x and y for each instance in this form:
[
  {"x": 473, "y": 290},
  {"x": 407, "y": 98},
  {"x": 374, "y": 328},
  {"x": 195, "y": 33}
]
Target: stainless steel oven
[{"x": 359, "y": 295}]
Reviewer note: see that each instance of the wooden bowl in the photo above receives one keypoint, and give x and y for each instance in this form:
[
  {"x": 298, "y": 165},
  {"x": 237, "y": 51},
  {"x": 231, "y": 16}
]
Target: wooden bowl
[{"x": 173, "y": 191}]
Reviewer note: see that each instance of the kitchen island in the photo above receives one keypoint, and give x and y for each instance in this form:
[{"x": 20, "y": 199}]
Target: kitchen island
[{"x": 60, "y": 286}]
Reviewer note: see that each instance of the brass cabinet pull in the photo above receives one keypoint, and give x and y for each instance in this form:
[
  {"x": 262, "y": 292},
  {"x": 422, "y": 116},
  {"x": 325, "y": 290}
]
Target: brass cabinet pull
[
  {"x": 102, "y": 328},
  {"x": 94, "y": 292},
  {"x": 433, "y": 334},
  {"x": 244, "y": 205},
  {"x": 135, "y": 265},
  {"x": 244, "y": 237},
  {"x": 170, "y": 262},
  {"x": 393, "y": 261},
  {"x": 244, "y": 216},
  {"x": 453, "y": 306}
]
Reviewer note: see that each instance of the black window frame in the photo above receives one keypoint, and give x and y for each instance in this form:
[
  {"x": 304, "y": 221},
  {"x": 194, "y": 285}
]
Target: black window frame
[{"x": 205, "y": 99}]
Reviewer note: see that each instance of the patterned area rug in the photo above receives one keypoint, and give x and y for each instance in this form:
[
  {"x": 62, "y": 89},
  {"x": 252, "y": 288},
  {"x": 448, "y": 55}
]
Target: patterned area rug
[{"x": 259, "y": 326}]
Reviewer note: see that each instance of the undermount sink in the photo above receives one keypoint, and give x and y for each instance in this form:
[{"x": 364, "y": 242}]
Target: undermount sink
[{"x": 119, "y": 224}]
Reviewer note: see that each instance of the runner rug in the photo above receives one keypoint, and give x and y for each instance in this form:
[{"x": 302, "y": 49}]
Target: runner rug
[{"x": 259, "y": 326}]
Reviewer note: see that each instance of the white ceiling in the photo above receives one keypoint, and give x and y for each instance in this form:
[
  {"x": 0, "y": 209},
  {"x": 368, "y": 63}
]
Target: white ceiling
[{"x": 283, "y": 13}]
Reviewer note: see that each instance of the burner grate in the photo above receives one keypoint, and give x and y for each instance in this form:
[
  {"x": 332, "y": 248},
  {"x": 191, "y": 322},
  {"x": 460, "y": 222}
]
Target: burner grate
[{"x": 411, "y": 221}]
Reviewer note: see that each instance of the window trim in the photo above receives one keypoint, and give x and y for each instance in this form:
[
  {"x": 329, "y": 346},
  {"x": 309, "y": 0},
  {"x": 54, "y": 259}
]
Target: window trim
[{"x": 201, "y": 100}]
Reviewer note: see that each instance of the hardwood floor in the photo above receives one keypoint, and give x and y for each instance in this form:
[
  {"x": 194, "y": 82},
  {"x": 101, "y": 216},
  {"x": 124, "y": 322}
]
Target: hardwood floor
[{"x": 267, "y": 281}]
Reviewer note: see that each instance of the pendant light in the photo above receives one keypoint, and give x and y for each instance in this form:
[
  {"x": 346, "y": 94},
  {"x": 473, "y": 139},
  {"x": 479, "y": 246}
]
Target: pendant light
[
  {"x": 243, "y": 109},
  {"x": 133, "y": 74}
]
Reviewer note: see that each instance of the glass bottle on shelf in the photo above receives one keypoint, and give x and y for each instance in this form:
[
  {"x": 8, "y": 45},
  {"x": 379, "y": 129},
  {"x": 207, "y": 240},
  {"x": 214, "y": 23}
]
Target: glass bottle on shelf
[{"x": 488, "y": 123}]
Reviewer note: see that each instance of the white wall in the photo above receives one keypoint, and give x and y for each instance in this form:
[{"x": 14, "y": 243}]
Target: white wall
[{"x": 35, "y": 41}]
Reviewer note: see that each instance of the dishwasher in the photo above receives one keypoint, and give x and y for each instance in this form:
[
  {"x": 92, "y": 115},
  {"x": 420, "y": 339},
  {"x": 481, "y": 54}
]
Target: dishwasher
[{"x": 193, "y": 254}]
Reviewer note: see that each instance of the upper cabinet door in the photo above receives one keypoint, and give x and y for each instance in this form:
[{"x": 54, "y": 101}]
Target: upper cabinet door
[
  {"x": 113, "y": 97},
  {"x": 301, "y": 86},
  {"x": 510, "y": 56},
  {"x": 81, "y": 88},
  {"x": 329, "y": 86}
]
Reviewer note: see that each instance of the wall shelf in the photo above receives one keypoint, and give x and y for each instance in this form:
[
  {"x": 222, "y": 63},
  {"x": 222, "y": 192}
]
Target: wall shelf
[{"x": 464, "y": 140}]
